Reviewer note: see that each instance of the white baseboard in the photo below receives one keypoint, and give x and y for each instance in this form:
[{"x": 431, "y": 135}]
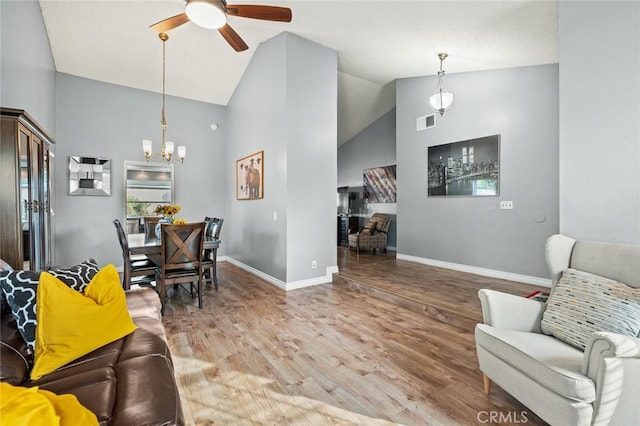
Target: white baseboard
[
  {"x": 279, "y": 283},
  {"x": 327, "y": 278},
  {"x": 526, "y": 279}
]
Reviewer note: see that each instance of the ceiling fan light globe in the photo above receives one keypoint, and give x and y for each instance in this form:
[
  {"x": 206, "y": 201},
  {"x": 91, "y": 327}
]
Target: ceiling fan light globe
[{"x": 206, "y": 14}]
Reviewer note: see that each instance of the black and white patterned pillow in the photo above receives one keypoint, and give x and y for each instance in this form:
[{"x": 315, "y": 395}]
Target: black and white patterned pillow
[{"x": 20, "y": 287}]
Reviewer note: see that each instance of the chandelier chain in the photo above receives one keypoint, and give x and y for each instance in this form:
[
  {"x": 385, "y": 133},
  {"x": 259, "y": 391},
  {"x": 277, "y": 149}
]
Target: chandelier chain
[
  {"x": 166, "y": 150},
  {"x": 163, "y": 120}
]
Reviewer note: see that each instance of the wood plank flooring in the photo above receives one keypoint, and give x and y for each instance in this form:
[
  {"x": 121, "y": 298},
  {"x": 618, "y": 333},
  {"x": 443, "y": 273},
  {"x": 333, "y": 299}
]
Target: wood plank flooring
[{"x": 389, "y": 342}]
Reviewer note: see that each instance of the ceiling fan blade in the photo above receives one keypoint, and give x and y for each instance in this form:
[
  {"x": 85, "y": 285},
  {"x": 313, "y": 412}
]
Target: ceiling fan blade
[
  {"x": 170, "y": 23},
  {"x": 268, "y": 13},
  {"x": 233, "y": 38}
]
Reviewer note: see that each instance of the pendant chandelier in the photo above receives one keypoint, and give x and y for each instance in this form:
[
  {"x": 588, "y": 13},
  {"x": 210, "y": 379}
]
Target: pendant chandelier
[
  {"x": 167, "y": 148},
  {"x": 442, "y": 99}
]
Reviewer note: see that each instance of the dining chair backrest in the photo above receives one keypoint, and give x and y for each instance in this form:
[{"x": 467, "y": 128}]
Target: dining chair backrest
[
  {"x": 122, "y": 238},
  {"x": 218, "y": 227},
  {"x": 181, "y": 246},
  {"x": 133, "y": 226},
  {"x": 208, "y": 226},
  {"x": 214, "y": 226},
  {"x": 150, "y": 223}
]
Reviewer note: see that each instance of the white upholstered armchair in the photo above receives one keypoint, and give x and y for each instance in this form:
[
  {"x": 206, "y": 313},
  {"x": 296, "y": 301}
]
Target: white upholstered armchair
[{"x": 534, "y": 350}]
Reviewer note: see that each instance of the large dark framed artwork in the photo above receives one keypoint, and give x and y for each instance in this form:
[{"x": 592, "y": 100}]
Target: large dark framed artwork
[
  {"x": 250, "y": 177},
  {"x": 379, "y": 184},
  {"x": 465, "y": 168}
]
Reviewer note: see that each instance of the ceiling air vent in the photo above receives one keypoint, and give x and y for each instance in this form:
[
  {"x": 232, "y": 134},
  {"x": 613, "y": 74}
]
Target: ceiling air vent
[{"x": 426, "y": 122}]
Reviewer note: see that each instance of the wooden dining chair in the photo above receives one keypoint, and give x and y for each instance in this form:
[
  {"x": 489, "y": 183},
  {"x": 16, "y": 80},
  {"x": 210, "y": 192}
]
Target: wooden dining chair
[
  {"x": 150, "y": 223},
  {"x": 133, "y": 266},
  {"x": 181, "y": 253},
  {"x": 209, "y": 263}
]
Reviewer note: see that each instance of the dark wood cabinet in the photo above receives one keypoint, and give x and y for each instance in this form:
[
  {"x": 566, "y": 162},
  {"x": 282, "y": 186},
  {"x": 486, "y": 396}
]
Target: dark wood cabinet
[
  {"x": 344, "y": 224},
  {"x": 25, "y": 193}
]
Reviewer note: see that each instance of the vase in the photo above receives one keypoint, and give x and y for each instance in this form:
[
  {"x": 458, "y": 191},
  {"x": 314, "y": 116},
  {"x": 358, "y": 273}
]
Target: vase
[{"x": 158, "y": 230}]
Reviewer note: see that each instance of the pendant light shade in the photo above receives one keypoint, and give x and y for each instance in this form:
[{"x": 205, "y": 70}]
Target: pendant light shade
[{"x": 442, "y": 99}]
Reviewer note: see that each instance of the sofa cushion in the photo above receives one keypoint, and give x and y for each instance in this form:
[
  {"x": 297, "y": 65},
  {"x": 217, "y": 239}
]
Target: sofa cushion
[
  {"x": 95, "y": 389},
  {"x": 134, "y": 407},
  {"x": 19, "y": 288},
  {"x": 583, "y": 303},
  {"x": 545, "y": 359},
  {"x": 15, "y": 359},
  {"x": 71, "y": 325}
]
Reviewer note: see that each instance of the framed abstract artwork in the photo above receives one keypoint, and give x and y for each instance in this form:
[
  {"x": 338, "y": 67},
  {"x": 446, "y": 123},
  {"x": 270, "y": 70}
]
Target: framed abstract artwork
[
  {"x": 250, "y": 177},
  {"x": 89, "y": 176},
  {"x": 379, "y": 184},
  {"x": 465, "y": 168}
]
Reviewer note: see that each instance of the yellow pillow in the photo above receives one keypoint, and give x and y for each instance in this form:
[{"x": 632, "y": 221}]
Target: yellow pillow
[
  {"x": 35, "y": 407},
  {"x": 71, "y": 324}
]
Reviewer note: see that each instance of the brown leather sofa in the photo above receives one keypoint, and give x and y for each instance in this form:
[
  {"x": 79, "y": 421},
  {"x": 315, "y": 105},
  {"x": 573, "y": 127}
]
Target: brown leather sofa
[{"x": 128, "y": 382}]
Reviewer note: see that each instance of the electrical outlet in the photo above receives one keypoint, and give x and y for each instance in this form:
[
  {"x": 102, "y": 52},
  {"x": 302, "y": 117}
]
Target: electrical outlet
[
  {"x": 314, "y": 264},
  {"x": 275, "y": 215},
  {"x": 506, "y": 205}
]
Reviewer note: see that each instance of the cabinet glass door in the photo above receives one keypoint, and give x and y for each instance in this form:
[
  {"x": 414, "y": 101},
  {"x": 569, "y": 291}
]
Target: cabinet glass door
[
  {"x": 46, "y": 205},
  {"x": 35, "y": 227},
  {"x": 25, "y": 196}
]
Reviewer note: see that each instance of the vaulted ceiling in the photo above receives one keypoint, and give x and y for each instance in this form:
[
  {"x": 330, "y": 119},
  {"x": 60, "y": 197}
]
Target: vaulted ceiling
[{"x": 377, "y": 42}]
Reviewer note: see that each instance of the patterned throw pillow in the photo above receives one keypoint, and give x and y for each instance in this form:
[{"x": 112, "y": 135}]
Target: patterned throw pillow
[
  {"x": 583, "y": 303},
  {"x": 370, "y": 227},
  {"x": 19, "y": 288}
]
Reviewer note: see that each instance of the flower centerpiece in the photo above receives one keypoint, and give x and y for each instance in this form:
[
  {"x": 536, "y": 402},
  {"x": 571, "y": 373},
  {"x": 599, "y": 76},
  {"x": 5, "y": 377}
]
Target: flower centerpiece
[{"x": 168, "y": 212}]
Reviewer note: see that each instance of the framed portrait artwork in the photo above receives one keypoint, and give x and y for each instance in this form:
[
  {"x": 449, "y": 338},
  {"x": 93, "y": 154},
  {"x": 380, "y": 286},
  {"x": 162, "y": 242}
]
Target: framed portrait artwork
[{"x": 250, "y": 177}]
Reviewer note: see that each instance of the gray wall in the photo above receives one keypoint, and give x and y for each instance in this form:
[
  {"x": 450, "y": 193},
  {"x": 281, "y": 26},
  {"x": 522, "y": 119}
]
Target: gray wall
[
  {"x": 375, "y": 146},
  {"x": 27, "y": 77},
  {"x": 286, "y": 106},
  {"x": 312, "y": 126},
  {"x": 98, "y": 119},
  {"x": 521, "y": 104},
  {"x": 600, "y": 120}
]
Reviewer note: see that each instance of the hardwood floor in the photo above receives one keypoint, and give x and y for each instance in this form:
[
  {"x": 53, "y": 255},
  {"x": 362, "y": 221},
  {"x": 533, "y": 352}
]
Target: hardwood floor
[{"x": 388, "y": 342}]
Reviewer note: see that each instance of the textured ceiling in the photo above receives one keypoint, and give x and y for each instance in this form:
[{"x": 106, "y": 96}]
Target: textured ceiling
[{"x": 377, "y": 42}]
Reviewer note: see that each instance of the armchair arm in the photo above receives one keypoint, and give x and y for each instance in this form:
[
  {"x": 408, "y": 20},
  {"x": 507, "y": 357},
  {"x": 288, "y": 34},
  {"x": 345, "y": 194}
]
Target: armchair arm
[
  {"x": 504, "y": 310},
  {"x": 607, "y": 345},
  {"x": 612, "y": 361}
]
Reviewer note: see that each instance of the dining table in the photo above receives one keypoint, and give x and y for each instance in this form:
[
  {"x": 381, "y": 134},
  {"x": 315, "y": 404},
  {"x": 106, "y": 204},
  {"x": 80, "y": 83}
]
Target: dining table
[{"x": 150, "y": 246}]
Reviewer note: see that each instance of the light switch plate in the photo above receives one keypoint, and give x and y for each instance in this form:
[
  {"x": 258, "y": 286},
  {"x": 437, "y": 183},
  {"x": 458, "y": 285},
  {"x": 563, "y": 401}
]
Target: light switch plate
[{"x": 506, "y": 205}]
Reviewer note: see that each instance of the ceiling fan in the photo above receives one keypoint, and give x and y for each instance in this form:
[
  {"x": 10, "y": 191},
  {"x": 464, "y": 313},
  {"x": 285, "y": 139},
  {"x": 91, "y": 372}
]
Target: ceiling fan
[{"x": 213, "y": 14}]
